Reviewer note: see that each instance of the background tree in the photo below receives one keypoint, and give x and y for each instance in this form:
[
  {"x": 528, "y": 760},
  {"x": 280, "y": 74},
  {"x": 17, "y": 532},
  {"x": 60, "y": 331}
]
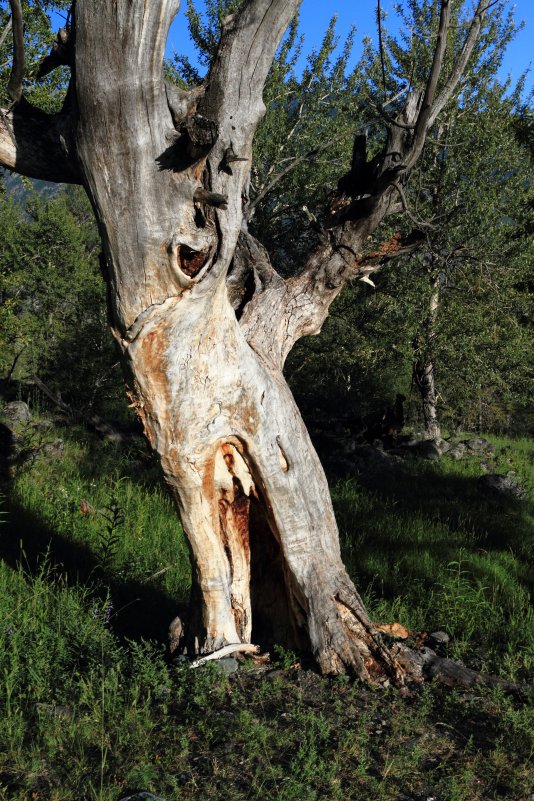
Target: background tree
[
  {"x": 52, "y": 308},
  {"x": 466, "y": 197}
]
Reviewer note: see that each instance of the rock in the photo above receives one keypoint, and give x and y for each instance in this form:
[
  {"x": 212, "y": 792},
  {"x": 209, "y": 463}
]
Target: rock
[
  {"x": 439, "y": 637},
  {"x": 17, "y": 412},
  {"x": 427, "y": 449},
  {"x": 496, "y": 484},
  {"x": 43, "y": 425},
  {"x": 55, "y": 710},
  {"x": 227, "y": 665},
  {"x": 54, "y": 450},
  {"x": 484, "y": 466},
  {"x": 443, "y": 445},
  {"x": 143, "y": 795},
  {"x": 371, "y": 461},
  {"x": 478, "y": 444},
  {"x": 457, "y": 451}
]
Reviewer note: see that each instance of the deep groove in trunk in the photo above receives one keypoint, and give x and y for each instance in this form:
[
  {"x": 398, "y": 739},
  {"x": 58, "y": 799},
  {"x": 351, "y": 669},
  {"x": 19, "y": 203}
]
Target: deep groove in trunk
[{"x": 277, "y": 616}]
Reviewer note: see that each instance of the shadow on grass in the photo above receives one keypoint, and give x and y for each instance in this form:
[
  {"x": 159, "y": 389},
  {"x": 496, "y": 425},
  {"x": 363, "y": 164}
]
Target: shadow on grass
[
  {"x": 420, "y": 515},
  {"x": 141, "y": 610}
]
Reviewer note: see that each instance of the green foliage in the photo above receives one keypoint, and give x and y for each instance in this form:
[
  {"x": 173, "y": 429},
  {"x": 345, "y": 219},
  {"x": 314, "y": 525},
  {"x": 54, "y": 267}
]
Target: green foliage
[
  {"x": 91, "y": 708},
  {"x": 113, "y": 516},
  {"x": 471, "y": 196},
  {"x": 52, "y": 308},
  {"x": 47, "y": 94}
]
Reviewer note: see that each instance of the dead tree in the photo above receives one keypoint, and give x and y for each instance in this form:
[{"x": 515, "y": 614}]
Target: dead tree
[{"x": 204, "y": 320}]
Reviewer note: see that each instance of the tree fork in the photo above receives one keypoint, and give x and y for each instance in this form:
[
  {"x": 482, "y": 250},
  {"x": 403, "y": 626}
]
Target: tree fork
[{"x": 206, "y": 381}]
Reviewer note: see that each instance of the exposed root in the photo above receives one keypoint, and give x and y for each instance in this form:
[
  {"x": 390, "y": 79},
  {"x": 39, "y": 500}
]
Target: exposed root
[{"x": 451, "y": 673}]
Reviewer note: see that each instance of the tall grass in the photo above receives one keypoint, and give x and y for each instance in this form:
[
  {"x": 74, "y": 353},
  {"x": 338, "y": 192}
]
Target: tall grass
[{"x": 94, "y": 565}]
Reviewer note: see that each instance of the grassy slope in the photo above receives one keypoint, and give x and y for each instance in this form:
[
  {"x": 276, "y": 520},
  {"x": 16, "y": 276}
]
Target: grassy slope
[{"x": 92, "y": 709}]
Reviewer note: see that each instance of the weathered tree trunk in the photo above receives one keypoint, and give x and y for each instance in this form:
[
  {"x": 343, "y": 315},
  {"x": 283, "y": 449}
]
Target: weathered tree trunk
[
  {"x": 204, "y": 321},
  {"x": 423, "y": 369},
  {"x": 252, "y": 495},
  {"x": 424, "y": 378}
]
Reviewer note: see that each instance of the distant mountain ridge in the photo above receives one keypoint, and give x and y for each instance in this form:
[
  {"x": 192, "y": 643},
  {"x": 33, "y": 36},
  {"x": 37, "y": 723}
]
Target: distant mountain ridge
[{"x": 19, "y": 188}]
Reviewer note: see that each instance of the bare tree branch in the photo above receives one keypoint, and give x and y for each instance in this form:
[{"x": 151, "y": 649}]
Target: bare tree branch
[
  {"x": 381, "y": 43},
  {"x": 422, "y": 123},
  {"x": 14, "y": 87},
  {"x": 5, "y": 32},
  {"x": 366, "y": 196},
  {"x": 248, "y": 44},
  {"x": 463, "y": 58},
  {"x": 37, "y": 145},
  {"x": 249, "y": 211}
]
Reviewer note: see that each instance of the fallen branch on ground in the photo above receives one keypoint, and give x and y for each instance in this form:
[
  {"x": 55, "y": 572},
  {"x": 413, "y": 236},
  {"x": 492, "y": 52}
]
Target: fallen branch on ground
[{"x": 226, "y": 651}]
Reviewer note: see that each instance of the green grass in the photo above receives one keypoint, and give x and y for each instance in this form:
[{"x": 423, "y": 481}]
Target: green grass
[
  {"x": 91, "y": 708},
  {"x": 433, "y": 552}
]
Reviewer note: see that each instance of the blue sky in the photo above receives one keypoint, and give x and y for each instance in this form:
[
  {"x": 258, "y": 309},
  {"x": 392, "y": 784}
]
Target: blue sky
[{"x": 316, "y": 14}]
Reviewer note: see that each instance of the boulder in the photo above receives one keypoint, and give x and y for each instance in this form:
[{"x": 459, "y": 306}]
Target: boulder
[
  {"x": 17, "y": 412},
  {"x": 54, "y": 450},
  {"x": 439, "y": 637},
  {"x": 478, "y": 445},
  {"x": 443, "y": 445},
  {"x": 457, "y": 451},
  {"x": 373, "y": 461},
  {"x": 227, "y": 665},
  {"x": 427, "y": 449},
  {"x": 499, "y": 485}
]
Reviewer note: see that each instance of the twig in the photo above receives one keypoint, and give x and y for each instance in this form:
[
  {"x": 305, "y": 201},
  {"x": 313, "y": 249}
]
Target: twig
[
  {"x": 278, "y": 177},
  {"x": 225, "y": 651},
  {"x": 381, "y": 44},
  {"x": 420, "y": 223},
  {"x": 159, "y": 572}
]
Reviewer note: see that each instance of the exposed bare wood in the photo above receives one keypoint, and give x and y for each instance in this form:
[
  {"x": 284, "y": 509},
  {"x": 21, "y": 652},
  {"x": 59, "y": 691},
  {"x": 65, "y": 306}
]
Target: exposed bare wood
[{"x": 233, "y": 648}]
